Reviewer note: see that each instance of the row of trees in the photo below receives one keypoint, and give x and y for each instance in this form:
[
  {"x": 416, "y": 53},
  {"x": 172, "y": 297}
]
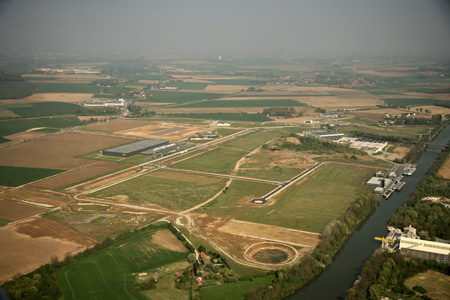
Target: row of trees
[
  {"x": 287, "y": 112},
  {"x": 430, "y": 218}
]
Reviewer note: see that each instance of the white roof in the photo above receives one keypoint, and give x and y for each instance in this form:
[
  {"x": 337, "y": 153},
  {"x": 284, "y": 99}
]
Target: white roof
[{"x": 425, "y": 246}]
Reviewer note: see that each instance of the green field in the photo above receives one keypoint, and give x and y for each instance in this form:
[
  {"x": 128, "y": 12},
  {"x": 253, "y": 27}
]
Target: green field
[
  {"x": 282, "y": 96},
  {"x": 242, "y": 103},
  {"x": 250, "y": 142},
  {"x": 410, "y": 101},
  {"x": 15, "y": 176},
  {"x": 179, "y": 97},
  {"x": 437, "y": 284},
  {"x": 310, "y": 205},
  {"x": 234, "y": 291},
  {"x": 3, "y": 222},
  {"x": 382, "y": 93},
  {"x": 239, "y": 81},
  {"x": 8, "y": 127},
  {"x": 43, "y": 108},
  {"x": 170, "y": 189},
  {"x": 226, "y": 117},
  {"x": 108, "y": 273},
  {"x": 189, "y": 85},
  {"x": 45, "y": 87},
  {"x": 219, "y": 160}
]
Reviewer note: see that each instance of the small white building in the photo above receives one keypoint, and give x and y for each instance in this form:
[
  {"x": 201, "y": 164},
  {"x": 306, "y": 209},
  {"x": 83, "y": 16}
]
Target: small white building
[{"x": 224, "y": 124}]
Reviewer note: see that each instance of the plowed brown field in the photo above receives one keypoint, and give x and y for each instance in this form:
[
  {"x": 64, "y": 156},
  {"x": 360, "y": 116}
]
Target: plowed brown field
[{"x": 14, "y": 210}]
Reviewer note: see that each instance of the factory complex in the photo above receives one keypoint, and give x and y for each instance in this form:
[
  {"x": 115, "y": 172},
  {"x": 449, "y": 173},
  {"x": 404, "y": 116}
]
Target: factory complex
[{"x": 134, "y": 148}]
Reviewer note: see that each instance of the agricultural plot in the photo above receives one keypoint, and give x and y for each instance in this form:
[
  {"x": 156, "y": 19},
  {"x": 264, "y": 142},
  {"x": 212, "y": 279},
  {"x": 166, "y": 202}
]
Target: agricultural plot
[
  {"x": 172, "y": 190},
  {"x": 179, "y": 97},
  {"x": 253, "y": 140},
  {"x": 11, "y": 210},
  {"x": 8, "y": 127},
  {"x": 34, "y": 242},
  {"x": 309, "y": 204},
  {"x": 258, "y": 117},
  {"x": 108, "y": 274},
  {"x": 58, "y": 151},
  {"x": 44, "y": 87},
  {"x": 410, "y": 101},
  {"x": 243, "y": 103},
  {"x": 235, "y": 290},
  {"x": 15, "y": 176},
  {"x": 43, "y": 109},
  {"x": 116, "y": 125}
]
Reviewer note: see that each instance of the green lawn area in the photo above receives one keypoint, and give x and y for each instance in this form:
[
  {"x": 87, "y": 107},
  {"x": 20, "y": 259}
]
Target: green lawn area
[
  {"x": 108, "y": 273},
  {"x": 179, "y": 97},
  {"x": 15, "y": 176},
  {"x": 219, "y": 160},
  {"x": 43, "y": 108},
  {"x": 250, "y": 142},
  {"x": 45, "y": 87},
  {"x": 226, "y": 117},
  {"x": 237, "y": 290},
  {"x": 169, "y": 189},
  {"x": 8, "y": 127},
  {"x": 243, "y": 103},
  {"x": 3, "y": 222},
  {"x": 310, "y": 204}
]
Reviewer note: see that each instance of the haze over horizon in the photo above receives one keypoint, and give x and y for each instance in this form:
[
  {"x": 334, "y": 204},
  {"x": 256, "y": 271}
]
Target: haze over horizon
[{"x": 249, "y": 27}]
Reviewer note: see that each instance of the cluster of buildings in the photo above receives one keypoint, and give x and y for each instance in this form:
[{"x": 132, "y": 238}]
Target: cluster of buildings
[
  {"x": 364, "y": 144},
  {"x": 147, "y": 146},
  {"x": 105, "y": 103},
  {"x": 410, "y": 245},
  {"x": 387, "y": 184}
]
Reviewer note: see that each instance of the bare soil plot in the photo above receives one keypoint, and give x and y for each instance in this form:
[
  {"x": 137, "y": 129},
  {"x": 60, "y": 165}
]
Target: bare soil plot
[
  {"x": 445, "y": 169},
  {"x": 51, "y": 97},
  {"x": 33, "y": 196},
  {"x": 58, "y": 151},
  {"x": 116, "y": 125},
  {"x": 226, "y": 88},
  {"x": 13, "y": 210},
  {"x": 76, "y": 175},
  {"x": 166, "y": 239},
  {"x": 34, "y": 242},
  {"x": 23, "y": 136},
  {"x": 160, "y": 131},
  {"x": 148, "y": 81}
]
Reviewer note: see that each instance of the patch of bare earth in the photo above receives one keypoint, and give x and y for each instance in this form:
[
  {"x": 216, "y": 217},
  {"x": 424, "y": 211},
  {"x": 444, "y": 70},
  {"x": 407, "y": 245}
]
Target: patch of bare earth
[
  {"x": 13, "y": 210},
  {"x": 166, "y": 239},
  {"x": 25, "y": 136},
  {"x": 76, "y": 175},
  {"x": 158, "y": 130},
  {"x": 34, "y": 196},
  {"x": 445, "y": 169},
  {"x": 34, "y": 242},
  {"x": 58, "y": 151},
  {"x": 116, "y": 125}
]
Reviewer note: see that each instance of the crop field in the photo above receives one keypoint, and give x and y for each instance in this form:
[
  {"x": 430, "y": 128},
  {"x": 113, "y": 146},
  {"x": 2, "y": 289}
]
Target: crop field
[
  {"x": 253, "y": 140},
  {"x": 243, "y": 103},
  {"x": 108, "y": 274},
  {"x": 33, "y": 242},
  {"x": 52, "y": 97},
  {"x": 410, "y": 101},
  {"x": 219, "y": 160},
  {"x": 226, "y": 117},
  {"x": 169, "y": 189},
  {"x": 383, "y": 93},
  {"x": 179, "y": 97},
  {"x": 302, "y": 206},
  {"x": 65, "y": 147},
  {"x": 77, "y": 175},
  {"x": 43, "y": 108},
  {"x": 15, "y": 176},
  {"x": 239, "y": 81},
  {"x": 8, "y": 127},
  {"x": 116, "y": 125},
  {"x": 11, "y": 210},
  {"x": 189, "y": 85},
  {"x": 407, "y": 131},
  {"x": 44, "y": 87},
  {"x": 235, "y": 290}
]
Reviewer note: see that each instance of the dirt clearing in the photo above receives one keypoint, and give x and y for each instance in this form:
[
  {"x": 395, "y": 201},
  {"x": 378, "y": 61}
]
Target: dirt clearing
[
  {"x": 33, "y": 196},
  {"x": 116, "y": 125},
  {"x": 165, "y": 131},
  {"x": 445, "y": 169},
  {"x": 24, "y": 136},
  {"x": 34, "y": 242},
  {"x": 166, "y": 239},
  {"x": 58, "y": 151},
  {"x": 14, "y": 211}
]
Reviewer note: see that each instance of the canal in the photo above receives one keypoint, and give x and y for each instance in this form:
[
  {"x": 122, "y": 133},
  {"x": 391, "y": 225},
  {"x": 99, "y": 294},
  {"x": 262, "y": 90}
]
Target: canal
[{"x": 348, "y": 263}]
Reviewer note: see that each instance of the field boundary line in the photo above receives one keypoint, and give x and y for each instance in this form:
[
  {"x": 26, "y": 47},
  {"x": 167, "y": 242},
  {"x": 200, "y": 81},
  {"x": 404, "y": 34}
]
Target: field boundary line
[
  {"x": 70, "y": 286},
  {"x": 295, "y": 230}
]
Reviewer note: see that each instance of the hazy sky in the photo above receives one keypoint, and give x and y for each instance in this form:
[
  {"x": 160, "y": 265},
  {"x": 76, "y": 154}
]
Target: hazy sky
[{"x": 226, "y": 27}]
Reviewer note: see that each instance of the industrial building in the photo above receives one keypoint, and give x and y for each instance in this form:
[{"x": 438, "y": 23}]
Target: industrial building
[
  {"x": 134, "y": 148},
  {"x": 416, "y": 248},
  {"x": 162, "y": 149}
]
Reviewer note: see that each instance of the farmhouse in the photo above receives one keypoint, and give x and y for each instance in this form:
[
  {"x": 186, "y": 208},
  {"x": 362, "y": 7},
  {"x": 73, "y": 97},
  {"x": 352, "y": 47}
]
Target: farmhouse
[{"x": 134, "y": 148}]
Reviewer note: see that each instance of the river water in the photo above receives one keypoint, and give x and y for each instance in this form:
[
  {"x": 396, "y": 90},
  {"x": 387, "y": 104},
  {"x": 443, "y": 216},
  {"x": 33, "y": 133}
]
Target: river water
[{"x": 348, "y": 263}]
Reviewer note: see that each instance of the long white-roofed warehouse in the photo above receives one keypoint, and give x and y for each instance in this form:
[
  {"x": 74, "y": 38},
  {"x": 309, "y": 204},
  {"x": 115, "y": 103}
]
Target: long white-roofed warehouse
[{"x": 134, "y": 148}]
